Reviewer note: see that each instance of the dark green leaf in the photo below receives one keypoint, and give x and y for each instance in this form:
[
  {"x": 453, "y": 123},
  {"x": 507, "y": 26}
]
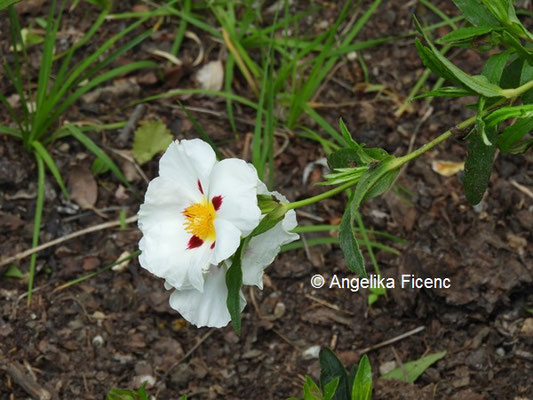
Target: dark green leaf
[
  {"x": 521, "y": 147},
  {"x": 376, "y": 153},
  {"x": 495, "y": 65},
  {"x": 350, "y": 247},
  {"x": 513, "y": 42},
  {"x": 348, "y": 136},
  {"x": 476, "y": 83},
  {"x": 362, "y": 384},
  {"x": 331, "y": 369},
  {"x": 381, "y": 185},
  {"x": 234, "y": 284},
  {"x": 512, "y": 134},
  {"x": 527, "y": 76},
  {"x": 511, "y": 74},
  {"x": 345, "y": 158},
  {"x": 433, "y": 63},
  {"x": 414, "y": 369},
  {"x": 466, "y": 33},
  {"x": 478, "y": 167},
  {"x": 475, "y": 13}
]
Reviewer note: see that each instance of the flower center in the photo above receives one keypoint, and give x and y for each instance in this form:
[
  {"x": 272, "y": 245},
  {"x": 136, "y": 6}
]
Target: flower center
[{"x": 199, "y": 218}]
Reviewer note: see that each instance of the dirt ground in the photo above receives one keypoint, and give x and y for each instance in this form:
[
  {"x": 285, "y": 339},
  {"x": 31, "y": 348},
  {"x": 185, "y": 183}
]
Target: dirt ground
[{"x": 117, "y": 329}]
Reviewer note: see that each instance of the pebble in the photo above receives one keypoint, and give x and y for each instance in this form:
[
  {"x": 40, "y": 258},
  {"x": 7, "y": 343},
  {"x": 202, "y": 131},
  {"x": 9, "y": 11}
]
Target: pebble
[
  {"x": 311, "y": 352},
  {"x": 98, "y": 341}
]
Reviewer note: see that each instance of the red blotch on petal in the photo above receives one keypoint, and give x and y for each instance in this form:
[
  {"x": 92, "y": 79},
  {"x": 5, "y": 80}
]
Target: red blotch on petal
[
  {"x": 200, "y": 186},
  {"x": 217, "y": 202},
  {"x": 213, "y": 245},
  {"x": 194, "y": 242}
]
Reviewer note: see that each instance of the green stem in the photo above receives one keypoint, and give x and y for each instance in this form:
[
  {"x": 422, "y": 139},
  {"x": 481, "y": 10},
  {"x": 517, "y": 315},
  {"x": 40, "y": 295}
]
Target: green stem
[
  {"x": 512, "y": 93},
  {"x": 320, "y": 197}
]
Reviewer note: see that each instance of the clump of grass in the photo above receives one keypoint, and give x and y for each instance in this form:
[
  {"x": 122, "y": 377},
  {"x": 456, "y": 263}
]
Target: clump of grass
[{"x": 60, "y": 84}]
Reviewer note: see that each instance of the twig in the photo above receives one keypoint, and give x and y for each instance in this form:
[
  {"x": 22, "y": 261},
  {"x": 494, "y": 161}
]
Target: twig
[
  {"x": 522, "y": 188},
  {"x": 125, "y": 133},
  {"x": 192, "y": 350},
  {"x": 393, "y": 340},
  {"x": 26, "y": 381},
  {"x": 65, "y": 238}
]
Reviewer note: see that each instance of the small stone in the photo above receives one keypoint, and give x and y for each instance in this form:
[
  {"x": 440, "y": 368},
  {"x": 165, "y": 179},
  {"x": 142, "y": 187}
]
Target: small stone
[
  {"x": 387, "y": 367},
  {"x": 98, "y": 341},
  {"x": 311, "y": 352},
  {"x": 279, "y": 310},
  {"x": 500, "y": 352},
  {"x": 527, "y": 327}
]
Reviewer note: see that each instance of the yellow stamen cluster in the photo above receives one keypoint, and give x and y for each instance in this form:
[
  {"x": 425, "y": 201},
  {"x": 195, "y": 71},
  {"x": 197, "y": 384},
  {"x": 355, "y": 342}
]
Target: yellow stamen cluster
[{"x": 199, "y": 218}]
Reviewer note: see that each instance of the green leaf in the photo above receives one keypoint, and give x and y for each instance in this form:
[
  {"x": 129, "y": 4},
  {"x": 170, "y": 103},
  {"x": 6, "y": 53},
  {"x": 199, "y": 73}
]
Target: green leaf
[
  {"x": 476, "y": 83},
  {"x": 151, "y": 138},
  {"x": 352, "y": 253},
  {"x": 475, "y": 13},
  {"x": 494, "y": 118},
  {"x": 311, "y": 390},
  {"x": 513, "y": 42},
  {"x": 478, "y": 167},
  {"x": 14, "y": 272},
  {"x": 511, "y": 74},
  {"x": 270, "y": 220},
  {"x": 7, "y": 3},
  {"x": 495, "y": 65},
  {"x": 512, "y": 134},
  {"x": 99, "y": 167},
  {"x": 39, "y": 148},
  {"x": 331, "y": 369},
  {"x": 362, "y": 384},
  {"x": 382, "y": 185},
  {"x": 526, "y": 76},
  {"x": 414, "y": 369},
  {"x": 521, "y": 146},
  {"x": 344, "y": 158},
  {"x": 466, "y": 33},
  {"x": 234, "y": 284},
  {"x": 330, "y": 389}
]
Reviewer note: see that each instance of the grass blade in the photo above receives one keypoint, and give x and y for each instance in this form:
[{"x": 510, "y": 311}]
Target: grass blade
[
  {"x": 45, "y": 156},
  {"x": 36, "y": 221},
  {"x": 97, "y": 151}
]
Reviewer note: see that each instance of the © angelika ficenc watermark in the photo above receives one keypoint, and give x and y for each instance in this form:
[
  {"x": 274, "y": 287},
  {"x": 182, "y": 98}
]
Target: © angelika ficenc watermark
[{"x": 405, "y": 281}]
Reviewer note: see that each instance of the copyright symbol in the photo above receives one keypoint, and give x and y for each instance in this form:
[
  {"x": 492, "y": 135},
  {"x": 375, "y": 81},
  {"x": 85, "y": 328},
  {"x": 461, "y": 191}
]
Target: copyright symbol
[{"x": 317, "y": 281}]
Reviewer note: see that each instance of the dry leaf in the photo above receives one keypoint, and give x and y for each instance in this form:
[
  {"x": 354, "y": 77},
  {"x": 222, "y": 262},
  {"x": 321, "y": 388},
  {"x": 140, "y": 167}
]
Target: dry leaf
[
  {"x": 124, "y": 264},
  {"x": 82, "y": 187},
  {"x": 211, "y": 76},
  {"x": 447, "y": 168}
]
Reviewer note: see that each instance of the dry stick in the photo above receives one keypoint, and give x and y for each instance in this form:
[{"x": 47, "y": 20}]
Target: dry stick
[
  {"x": 65, "y": 238},
  {"x": 393, "y": 340},
  {"x": 125, "y": 133},
  {"x": 192, "y": 350},
  {"x": 30, "y": 385}
]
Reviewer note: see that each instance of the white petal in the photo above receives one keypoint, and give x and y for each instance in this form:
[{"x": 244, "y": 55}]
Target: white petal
[
  {"x": 188, "y": 162},
  {"x": 263, "y": 249},
  {"x": 236, "y": 182},
  {"x": 164, "y": 247},
  {"x": 207, "y": 308},
  {"x": 227, "y": 241}
]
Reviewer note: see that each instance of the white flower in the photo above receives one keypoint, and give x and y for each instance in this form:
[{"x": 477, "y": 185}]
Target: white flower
[
  {"x": 195, "y": 213},
  {"x": 208, "y": 308}
]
